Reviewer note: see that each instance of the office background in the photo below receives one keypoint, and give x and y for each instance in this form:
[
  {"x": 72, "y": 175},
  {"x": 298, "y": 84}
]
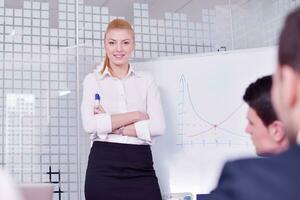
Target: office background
[{"x": 47, "y": 47}]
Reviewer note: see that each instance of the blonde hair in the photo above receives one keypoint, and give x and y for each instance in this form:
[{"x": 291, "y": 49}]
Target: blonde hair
[{"x": 115, "y": 24}]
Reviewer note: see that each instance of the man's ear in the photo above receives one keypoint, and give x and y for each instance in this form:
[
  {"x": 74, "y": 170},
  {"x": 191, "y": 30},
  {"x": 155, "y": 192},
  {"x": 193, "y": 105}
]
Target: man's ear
[
  {"x": 289, "y": 86},
  {"x": 276, "y": 130}
]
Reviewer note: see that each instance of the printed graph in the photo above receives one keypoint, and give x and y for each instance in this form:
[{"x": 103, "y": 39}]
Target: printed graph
[{"x": 195, "y": 126}]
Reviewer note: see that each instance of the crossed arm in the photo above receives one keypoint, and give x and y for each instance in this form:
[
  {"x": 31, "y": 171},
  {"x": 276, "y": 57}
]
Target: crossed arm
[
  {"x": 144, "y": 126},
  {"x": 123, "y": 123}
]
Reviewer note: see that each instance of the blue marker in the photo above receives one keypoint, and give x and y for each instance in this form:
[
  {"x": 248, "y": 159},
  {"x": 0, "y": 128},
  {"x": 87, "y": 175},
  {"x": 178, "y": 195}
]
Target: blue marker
[
  {"x": 97, "y": 97},
  {"x": 97, "y": 100},
  {"x": 97, "y": 107}
]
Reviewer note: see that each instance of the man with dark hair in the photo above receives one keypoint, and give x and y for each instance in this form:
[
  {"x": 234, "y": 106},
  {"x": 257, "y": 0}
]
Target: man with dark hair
[
  {"x": 276, "y": 177},
  {"x": 266, "y": 131}
]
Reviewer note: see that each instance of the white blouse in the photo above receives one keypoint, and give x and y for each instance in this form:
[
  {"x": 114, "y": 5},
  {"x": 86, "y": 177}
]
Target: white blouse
[{"x": 135, "y": 92}]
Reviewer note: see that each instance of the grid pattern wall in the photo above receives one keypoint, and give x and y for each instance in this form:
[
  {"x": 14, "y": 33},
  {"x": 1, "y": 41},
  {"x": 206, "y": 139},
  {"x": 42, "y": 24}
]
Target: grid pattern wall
[
  {"x": 223, "y": 31},
  {"x": 258, "y": 23},
  {"x": 38, "y": 98},
  {"x": 173, "y": 35}
]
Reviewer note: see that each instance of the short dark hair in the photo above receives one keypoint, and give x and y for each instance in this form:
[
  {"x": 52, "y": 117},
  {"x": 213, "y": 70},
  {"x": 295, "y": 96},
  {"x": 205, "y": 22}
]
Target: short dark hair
[
  {"x": 258, "y": 97},
  {"x": 289, "y": 41}
]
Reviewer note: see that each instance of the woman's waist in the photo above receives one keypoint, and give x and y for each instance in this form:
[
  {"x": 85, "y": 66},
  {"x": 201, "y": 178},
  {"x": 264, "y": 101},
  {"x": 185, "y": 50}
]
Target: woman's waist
[
  {"x": 119, "y": 144},
  {"x": 120, "y": 139},
  {"x": 121, "y": 152}
]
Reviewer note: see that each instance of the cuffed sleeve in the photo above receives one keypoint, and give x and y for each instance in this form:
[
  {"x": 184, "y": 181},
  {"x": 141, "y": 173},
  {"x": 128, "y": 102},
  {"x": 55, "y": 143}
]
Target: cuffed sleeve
[{"x": 142, "y": 130}]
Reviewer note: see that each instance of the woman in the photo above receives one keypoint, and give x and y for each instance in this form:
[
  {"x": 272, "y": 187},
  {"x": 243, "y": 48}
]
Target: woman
[{"x": 123, "y": 122}]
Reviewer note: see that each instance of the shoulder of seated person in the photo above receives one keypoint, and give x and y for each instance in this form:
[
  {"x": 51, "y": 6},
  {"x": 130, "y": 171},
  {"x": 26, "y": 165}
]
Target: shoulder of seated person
[{"x": 290, "y": 155}]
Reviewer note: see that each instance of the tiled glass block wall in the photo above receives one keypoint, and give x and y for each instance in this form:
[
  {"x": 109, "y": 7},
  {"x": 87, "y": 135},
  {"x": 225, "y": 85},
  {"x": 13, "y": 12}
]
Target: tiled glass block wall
[
  {"x": 38, "y": 97},
  {"x": 46, "y": 50},
  {"x": 257, "y": 23},
  {"x": 172, "y": 35}
]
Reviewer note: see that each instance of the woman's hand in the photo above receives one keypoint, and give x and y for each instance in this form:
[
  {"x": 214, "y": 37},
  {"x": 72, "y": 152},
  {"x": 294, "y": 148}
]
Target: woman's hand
[
  {"x": 128, "y": 130},
  {"x": 99, "y": 109}
]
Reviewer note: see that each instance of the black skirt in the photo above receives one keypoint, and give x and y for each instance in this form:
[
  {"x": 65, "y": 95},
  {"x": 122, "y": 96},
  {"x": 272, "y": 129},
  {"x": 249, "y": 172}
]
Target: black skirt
[{"x": 121, "y": 172}]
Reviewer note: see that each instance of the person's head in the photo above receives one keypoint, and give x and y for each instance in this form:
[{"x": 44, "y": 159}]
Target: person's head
[
  {"x": 119, "y": 42},
  {"x": 266, "y": 131},
  {"x": 286, "y": 87}
]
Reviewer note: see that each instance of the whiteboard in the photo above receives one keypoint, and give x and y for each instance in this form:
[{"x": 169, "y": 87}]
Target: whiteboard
[{"x": 205, "y": 114}]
